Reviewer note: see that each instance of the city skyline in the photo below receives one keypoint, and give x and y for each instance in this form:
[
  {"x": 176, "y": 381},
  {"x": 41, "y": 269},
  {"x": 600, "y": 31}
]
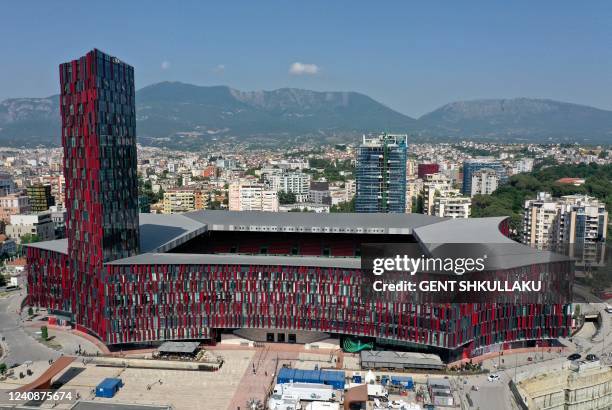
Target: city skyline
[
  {"x": 418, "y": 59},
  {"x": 206, "y": 247}
]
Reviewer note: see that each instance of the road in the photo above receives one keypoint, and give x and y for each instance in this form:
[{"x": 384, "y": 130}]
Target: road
[{"x": 20, "y": 346}]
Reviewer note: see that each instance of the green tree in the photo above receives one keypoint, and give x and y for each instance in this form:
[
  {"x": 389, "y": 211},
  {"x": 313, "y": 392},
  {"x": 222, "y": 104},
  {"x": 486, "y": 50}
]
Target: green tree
[
  {"x": 285, "y": 198},
  {"x": 30, "y": 311},
  {"x": 44, "y": 333},
  {"x": 29, "y": 238}
]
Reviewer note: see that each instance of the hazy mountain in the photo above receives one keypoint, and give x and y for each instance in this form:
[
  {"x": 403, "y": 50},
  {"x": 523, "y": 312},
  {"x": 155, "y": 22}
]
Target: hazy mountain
[
  {"x": 187, "y": 115},
  {"x": 519, "y": 118},
  {"x": 30, "y": 120},
  {"x": 168, "y": 108}
]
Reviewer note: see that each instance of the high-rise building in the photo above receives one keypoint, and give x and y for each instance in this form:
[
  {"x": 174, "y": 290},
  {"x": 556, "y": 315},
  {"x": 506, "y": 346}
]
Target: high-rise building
[
  {"x": 381, "y": 174},
  {"x": 583, "y": 221},
  {"x": 574, "y": 224},
  {"x": 40, "y": 197},
  {"x": 97, "y": 105},
  {"x": 432, "y": 186},
  {"x": 540, "y": 221},
  {"x": 484, "y": 182},
  {"x": 472, "y": 165}
]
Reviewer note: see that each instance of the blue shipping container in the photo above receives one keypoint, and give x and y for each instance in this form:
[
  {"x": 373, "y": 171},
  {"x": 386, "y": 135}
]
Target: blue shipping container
[
  {"x": 333, "y": 378},
  {"x": 311, "y": 376},
  {"x": 108, "y": 387},
  {"x": 285, "y": 375}
]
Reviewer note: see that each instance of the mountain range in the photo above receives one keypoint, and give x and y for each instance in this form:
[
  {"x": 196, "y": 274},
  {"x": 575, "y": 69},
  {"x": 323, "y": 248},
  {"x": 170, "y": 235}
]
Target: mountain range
[{"x": 173, "y": 113}]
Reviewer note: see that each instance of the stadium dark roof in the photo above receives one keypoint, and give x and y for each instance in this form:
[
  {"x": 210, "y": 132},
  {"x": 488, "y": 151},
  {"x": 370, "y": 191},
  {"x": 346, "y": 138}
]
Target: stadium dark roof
[
  {"x": 401, "y": 224},
  {"x": 160, "y": 233}
]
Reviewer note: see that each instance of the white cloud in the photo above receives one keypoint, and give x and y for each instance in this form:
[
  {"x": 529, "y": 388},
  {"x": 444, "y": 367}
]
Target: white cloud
[
  {"x": 220, "y": 68},
  {"x": 165, "y": 65},
  {"x": 298, "y": 68}
]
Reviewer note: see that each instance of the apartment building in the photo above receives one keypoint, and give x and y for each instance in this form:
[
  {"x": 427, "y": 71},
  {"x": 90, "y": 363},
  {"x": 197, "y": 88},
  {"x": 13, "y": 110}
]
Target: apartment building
[
  {"x": 40, "y": 225},
  {"x": 571, "y": 219},
  {"x": 484, "y": 181},
  {"x": 451, "y": 204},
  {"x": 252, "y": 197},
  {"x": 13, "y": 204},
  {"x": 179, "y": 200},
  {"x": 319, "y": 193},
  {"x": 539, "y": 222},
  {"x": 432, "y": 186},
  {"x": 414, "y": 191},
  {"x": 296, "y": 183},
  {"x": 474, "y": 165}
]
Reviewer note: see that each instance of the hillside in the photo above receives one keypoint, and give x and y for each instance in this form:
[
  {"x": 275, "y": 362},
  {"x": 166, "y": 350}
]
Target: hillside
[
  {"x": 175, "y": 114},
  {"x": 168, "y": 108},
  {"x": 519, "y": 118}
]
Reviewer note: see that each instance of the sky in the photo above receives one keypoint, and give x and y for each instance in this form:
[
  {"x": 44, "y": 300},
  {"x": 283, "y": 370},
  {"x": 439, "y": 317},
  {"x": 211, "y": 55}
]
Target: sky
[{"x": 412, "y": 56}]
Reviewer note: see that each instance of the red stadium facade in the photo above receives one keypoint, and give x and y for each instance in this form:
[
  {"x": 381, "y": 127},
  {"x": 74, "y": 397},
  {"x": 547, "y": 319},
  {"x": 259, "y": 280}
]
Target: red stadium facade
[{"x": 128, "y": 279}]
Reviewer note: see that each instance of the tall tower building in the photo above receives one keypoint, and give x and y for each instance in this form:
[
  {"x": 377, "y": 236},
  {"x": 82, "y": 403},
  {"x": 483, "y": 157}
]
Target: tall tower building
[
  {"x": 97, "y": 105},
  {"x": 381, "y": 174}
]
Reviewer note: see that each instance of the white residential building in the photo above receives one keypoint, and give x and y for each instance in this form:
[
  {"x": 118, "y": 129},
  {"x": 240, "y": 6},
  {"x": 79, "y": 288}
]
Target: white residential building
[
  {"x": 41, "y": 225},
  {"x": 571, "y": 219},
  {"x": 252, "y": 197},
  {"x": 451, "y": 204},
  {"x": 540, "y": 221},
  {"x": 484, "y": 181},
  {"x": 433, "y": 185},
  {"x": 296, "y": 183}
]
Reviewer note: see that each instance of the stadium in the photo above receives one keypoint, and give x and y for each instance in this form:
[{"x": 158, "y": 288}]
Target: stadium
[
  {"x": 284, "y": 277},
  {"x": 130, "y": 278}
]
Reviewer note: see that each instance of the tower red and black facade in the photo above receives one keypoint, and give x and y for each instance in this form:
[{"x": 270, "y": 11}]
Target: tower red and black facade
[{"x": 99, "y": 138}]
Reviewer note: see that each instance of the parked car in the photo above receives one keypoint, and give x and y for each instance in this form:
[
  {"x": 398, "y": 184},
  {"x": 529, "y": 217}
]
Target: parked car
[
  {"x": 591, "y": 357},
  {"x": 493, "y": 377},
  {"x": 574, "y": 356}
]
